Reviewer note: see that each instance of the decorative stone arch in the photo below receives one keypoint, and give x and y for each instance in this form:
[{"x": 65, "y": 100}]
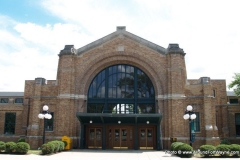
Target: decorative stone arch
[{"x": 100, "y": 63}]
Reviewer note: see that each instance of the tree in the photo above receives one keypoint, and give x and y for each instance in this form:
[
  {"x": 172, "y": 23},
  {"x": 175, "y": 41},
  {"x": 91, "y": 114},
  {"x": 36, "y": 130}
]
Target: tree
[{"x": 235, "y": 84}]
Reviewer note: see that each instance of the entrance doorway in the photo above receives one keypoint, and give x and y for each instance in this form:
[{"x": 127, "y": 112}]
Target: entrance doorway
[
  {"x": 119, "y": 137},
  {"x": 147, "y": 137},
  {"x": 94, "y": 137}
]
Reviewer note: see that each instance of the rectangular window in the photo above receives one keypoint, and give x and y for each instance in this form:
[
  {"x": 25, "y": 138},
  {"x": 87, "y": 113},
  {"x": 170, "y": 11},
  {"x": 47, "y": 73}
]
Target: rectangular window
[
  {"x": 233, "y": 101},
  {"x": 10, "y": 120},
  {"x": 237, "y": 123},
  {"x": 4, "y": 100},
  {"x": 18, "y": 100},
  {"x": 214, "y": 93},
  {"x": 196, "y": 123},
  {"x": 49, "y": 123}
]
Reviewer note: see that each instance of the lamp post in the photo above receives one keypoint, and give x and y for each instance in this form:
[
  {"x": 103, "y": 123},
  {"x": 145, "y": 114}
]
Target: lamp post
[
  {"x": 189, "y": 115},
  {"x": 44, "y": 114}
]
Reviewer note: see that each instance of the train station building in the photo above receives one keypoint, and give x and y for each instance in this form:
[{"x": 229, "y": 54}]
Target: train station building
[{"x": 121, "y": 92}]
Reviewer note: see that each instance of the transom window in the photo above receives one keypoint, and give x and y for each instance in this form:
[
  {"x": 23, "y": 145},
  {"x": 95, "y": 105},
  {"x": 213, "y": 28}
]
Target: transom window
[{"x": 121, "y": 89}]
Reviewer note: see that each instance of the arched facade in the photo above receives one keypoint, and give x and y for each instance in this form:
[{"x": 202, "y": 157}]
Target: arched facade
[
  {"x": 124, "y": 114},
  {"x": 123, "y": 97}
]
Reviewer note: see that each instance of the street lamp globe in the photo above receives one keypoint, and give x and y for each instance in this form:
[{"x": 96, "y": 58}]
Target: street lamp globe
[
  {"x": 45, "y": 108},
  {"x": 48, "y": 116},
  {"x": 40, "y": 115},
  {"x": 193, "y": 116},
  {"x": 186, "y": 116},
  {"x": 189, "y": 108}
]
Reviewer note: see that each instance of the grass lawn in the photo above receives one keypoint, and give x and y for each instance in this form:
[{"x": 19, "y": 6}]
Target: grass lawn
[{"x": 34, "y": 152}]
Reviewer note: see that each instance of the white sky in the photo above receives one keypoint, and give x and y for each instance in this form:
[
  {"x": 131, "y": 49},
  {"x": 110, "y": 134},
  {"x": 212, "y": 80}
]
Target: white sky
[{"x": 207, "y": 30}]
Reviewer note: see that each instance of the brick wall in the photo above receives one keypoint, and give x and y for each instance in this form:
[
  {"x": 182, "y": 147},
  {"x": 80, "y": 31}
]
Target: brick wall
[{"x": 67, "y": 95}]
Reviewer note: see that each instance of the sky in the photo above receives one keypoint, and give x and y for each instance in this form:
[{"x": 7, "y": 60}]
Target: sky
[{"x": 32, "y": 33}]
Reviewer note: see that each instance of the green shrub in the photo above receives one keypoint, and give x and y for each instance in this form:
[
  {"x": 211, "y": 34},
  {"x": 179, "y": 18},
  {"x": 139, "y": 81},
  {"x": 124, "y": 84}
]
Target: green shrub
[
  {"x": 223, "y": 149},
  {"x": 62, "y": 146},
  {"x": 65, "y": 143},
  {"x": 47, "y": 148},
  {"x": 21, "y": 140},
  {"x": 235, "y": 149},
  {"x": 174, "y": 145},
  {"x": 22, "y": 147},
  {"x": 207, "y": 150},
  {"x": 2, "y": 146},
  {"x": 11, "y": 147},
  {"x": 225, "y": 141},
  {"x": 186, "y": 150},
  {"x": 56, "y": 146}
]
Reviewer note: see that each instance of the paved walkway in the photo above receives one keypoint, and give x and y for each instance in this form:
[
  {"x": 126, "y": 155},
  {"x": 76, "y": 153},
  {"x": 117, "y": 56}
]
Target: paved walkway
[{"x": 99, "y": 155}]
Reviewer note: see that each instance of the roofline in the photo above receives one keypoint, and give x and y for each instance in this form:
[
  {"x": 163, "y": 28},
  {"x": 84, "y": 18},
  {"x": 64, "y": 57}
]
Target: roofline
[
  {"x": 122, "y": 32},
  {"x": 15, "y": 94}
]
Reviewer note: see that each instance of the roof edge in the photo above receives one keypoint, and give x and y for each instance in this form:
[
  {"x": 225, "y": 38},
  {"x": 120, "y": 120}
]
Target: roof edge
[{"x": 121, "y": 31}]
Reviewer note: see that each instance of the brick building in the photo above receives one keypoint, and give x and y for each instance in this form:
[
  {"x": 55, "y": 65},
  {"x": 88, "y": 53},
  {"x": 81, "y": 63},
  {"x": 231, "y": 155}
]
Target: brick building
[{"x": 121, "y": 92}]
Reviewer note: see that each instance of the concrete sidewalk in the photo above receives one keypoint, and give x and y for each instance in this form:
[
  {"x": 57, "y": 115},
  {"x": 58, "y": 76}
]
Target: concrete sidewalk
[{"x": 97, "y": 155}]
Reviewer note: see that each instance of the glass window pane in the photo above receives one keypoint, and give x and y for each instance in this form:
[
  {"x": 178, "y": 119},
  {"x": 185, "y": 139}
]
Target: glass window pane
[
  {"x": 18, "y": 100},
  {"x": 91, "y": 134},
  {"x": 117, "y": 134},
  {"x": 91, "y": 108},
  {"x": 237, "y": 123},
  {"x": 128, "y": 69},
  {"x": 114, "y": 69},
  {"x": 237, "y": 118},
  {"x": 143, "y": 134},
  {"x": 111, "y": 108},
  {"x": 233, "y": 101},
  {"x": 146, "y": 108},
  {"x": 119, "y": 68},
  {"x": 122, "y": 83},
  {"x": 99, "y": 108},
  {"x": 4, "y": 100},
  {"x": 94, "y": 88},
  {"x": 10, "y": 120},
  {"x": 90, "y": 92},
  {"x": 124, "y": 135},
  {"x": 196, "y": 122},
  {"x": 49, "y": 123},
  {"x": 98, "y": 134}
]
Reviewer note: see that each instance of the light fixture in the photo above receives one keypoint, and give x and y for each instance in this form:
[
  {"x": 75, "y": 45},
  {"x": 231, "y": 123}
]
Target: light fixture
[
  {"x": 189, "y": 115},
  {"x": 44, "y": 114},
  {"x": 119, "y": 122},
  {"x": 45, "y": 108},
  {"x": 147, "y": 122},
  {"x": 189, "y": 108},
  {"x": 90, "y": 121}
]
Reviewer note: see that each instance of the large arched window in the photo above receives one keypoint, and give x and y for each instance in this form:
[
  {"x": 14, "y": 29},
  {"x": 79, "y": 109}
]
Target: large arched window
[{"x": 121, "y": 89}]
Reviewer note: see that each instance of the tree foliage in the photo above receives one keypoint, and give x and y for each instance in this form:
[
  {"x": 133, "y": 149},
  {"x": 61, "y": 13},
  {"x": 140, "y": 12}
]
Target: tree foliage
[{"x": 235, "y": 84}]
